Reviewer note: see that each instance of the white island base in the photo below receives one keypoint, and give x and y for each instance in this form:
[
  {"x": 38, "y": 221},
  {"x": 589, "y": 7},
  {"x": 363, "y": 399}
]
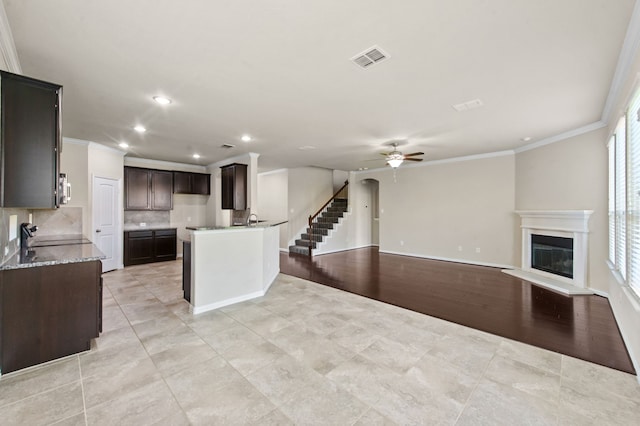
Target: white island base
[{"x": 232, "y": 265}]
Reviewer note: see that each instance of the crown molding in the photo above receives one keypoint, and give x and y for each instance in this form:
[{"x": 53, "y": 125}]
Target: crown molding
[
  {"x": 242, "y": 157},
  {"x": 272, "y": 172},
  {"x": 101, "y": 147},
  {"x": 160, "y": 164},
  {"x": 443, "y": 161},
  {"x": 7, "y": 45},
  {"x": 562, "y": 136},
  {"x": 625, "y": 63}
]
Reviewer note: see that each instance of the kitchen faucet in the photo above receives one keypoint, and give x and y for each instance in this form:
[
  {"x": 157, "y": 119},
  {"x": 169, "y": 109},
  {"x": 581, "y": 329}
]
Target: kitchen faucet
[
  {"x": 26, "y": 231},
  {"x": 249, "y": 219}
]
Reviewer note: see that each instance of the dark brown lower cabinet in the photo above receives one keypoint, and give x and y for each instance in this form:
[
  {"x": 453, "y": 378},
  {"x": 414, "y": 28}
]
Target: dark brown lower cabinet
[
  {"x": 148, "y": 246},
  {"x": 48, "y": 312},
  {"x": 138, "y": 247}
]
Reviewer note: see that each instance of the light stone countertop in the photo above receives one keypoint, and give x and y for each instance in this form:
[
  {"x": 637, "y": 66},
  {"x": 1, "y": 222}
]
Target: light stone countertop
[
  {"x": 53, "y": 255},
  {"x": 265, "y": 224},
  {"x": 133, "y": 227}
]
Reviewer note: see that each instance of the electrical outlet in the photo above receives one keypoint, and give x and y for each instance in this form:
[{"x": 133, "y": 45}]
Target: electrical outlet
[
  {"x": 143, "y": 223},
  {"x": 477, "y": 249},
  {"x": 401, "y": 242},
  {"x": 189, "y": 219},
  {"x": 459, "y": 248},
  {"x": 6, "y": 250}
]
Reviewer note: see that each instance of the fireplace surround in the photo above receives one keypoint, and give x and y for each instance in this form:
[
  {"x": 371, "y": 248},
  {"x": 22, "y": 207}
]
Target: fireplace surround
[{"x": 555, "y": 250}]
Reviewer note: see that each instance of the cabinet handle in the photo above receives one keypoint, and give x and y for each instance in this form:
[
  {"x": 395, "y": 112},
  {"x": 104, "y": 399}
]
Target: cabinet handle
[{"x": 98, "y": 230}]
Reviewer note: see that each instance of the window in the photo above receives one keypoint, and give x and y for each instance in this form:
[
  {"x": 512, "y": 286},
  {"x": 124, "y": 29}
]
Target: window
[{"x": 624, "y": 196}]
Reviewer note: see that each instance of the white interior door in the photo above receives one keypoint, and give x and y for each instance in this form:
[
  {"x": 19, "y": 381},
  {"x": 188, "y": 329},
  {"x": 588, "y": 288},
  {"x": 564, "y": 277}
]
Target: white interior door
[{"x": 106, "y": 224}]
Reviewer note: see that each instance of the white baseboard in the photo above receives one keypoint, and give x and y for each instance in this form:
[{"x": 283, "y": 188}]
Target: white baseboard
[
  {"x": 316, "y": 253},
  {"x": 448, "y": 259},
  {"x": 599, "y": 292},
  {"x": 273, "y": 279},
  {"x": 217, "y": 305}
]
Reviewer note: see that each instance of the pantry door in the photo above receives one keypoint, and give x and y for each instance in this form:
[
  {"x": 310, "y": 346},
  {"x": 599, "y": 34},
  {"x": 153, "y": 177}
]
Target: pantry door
[{"x": 106, "y": 221}]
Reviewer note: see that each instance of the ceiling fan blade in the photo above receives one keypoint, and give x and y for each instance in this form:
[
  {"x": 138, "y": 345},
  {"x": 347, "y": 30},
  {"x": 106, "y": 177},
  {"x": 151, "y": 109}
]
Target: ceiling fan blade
[
  {"x": 414, "y": 153},
  {"x": 413, "y": 159},
  {"x": 385, "y": 154}
]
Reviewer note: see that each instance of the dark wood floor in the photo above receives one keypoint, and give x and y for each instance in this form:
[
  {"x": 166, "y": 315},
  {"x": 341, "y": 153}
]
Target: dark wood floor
[{"x": 475, "y": 296}]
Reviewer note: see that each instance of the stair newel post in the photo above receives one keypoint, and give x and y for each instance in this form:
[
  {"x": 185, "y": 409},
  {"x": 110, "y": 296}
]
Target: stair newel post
[{"x": 310, "y": 234}]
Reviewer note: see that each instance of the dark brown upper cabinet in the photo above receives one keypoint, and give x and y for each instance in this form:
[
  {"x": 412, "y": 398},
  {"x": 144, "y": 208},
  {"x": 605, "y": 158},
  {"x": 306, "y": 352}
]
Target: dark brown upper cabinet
[
  {"x": 191, "y": 183},
  {"x": 161, "y": 190},
  {"x": 234, "y": 187},
  {"x": 30, "y": 139},
  {"x": 148, "y": 189}
]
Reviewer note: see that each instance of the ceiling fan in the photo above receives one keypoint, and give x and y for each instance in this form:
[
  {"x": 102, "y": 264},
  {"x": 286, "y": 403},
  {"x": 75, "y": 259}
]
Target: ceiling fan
[{"x": 395, "y": 157}]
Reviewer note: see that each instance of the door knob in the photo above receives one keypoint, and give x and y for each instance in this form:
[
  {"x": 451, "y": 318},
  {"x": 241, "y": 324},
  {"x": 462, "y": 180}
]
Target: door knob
[{"x": 98, "y": 230}]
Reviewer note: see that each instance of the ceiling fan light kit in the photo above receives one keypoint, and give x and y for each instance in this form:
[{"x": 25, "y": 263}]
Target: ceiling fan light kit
[{"x": 395, "y": 158}]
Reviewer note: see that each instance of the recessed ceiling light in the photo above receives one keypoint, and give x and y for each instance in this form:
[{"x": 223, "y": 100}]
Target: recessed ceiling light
[
  {"x": 246, "y": 138},
  {"x": 196, "y": 156},
  {"x": 162, "y": 100},
  {"x": 140, "y": 129},
  {"x": 123, "y": 145},
  {"x": 306, "y": 148},
  {"x": 527, "y": 139}
]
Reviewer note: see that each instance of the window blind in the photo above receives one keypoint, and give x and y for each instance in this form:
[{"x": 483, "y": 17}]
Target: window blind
[
  {"x": 612, "y": 200},
  {"x": 621, "y": 199},
  {"x": 633, "y": 193}
]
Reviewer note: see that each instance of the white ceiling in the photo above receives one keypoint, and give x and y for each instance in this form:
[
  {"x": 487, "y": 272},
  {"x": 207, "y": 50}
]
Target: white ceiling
[{"x": 280, "y": 71}]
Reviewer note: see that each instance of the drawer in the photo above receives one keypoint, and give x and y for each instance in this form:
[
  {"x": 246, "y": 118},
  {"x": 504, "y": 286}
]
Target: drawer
[
  {"x": 140, "y": 234},
  {"x": 165, "y": 232}
]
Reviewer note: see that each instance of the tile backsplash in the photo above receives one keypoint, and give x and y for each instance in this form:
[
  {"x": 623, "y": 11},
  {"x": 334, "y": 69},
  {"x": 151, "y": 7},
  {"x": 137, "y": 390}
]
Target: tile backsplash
[
  {"x": 9, "y": 248},
  {"x": 62, "y": 221},
  {"x": 133, "y": 219}
]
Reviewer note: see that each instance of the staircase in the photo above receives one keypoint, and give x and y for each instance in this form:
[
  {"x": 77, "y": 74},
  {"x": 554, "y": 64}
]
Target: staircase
[{"x": 320, "y": 227}]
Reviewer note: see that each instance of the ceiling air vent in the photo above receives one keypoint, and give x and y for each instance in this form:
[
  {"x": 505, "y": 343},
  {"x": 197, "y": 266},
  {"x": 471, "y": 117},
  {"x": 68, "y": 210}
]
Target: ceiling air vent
[
  {"x": 227, "y": 146},
  {"x": 369, "y": 57},
  {"x": 465, "y": 106}
]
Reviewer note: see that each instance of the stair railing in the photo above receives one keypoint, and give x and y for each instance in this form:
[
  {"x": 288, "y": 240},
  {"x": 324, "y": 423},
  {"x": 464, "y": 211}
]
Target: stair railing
[{"x": 312, "y": 217}]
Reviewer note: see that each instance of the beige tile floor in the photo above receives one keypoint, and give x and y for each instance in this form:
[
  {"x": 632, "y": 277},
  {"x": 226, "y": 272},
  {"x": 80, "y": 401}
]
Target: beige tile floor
[{"x": 303, "y": 354}]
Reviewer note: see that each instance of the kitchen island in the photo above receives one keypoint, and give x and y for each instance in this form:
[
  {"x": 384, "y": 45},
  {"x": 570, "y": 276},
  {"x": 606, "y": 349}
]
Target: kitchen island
[{"x": 230, "y": 264}]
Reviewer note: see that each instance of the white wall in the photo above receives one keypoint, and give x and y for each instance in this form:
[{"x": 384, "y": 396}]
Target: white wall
[
  {"x": 74, "y": 161},
  {"x": 339, "y": 178},
  {"x": 273, "y": 202},
  {"x": 309, "y": 188},
  {"x": 448, "y": 210}
]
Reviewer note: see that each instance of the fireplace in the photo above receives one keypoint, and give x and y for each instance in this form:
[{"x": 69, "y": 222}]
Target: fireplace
[
  {"x": 552, "y": 254},
  {"x": 555, "y": 250}
]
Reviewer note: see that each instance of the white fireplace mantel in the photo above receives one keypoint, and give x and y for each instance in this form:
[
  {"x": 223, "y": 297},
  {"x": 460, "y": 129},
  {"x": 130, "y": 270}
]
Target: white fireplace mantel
[{"x": 572, "y": 224}]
